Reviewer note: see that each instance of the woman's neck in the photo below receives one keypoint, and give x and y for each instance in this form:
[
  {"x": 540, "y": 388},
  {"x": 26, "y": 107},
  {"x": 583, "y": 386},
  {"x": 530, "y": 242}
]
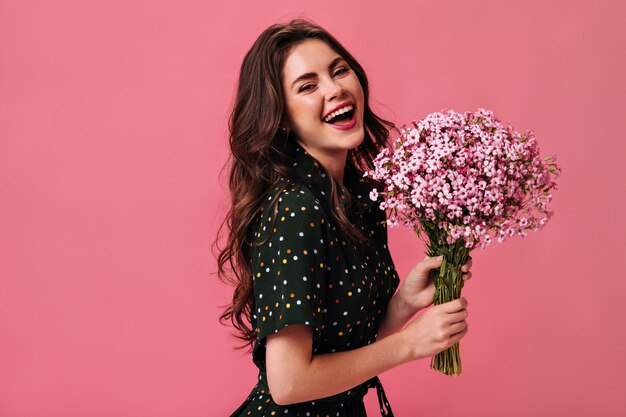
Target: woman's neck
[{"x": 334, "y": 163}]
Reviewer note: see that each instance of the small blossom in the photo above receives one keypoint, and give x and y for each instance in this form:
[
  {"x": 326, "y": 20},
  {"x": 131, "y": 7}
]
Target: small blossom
[{"x": 374, "y": 194}]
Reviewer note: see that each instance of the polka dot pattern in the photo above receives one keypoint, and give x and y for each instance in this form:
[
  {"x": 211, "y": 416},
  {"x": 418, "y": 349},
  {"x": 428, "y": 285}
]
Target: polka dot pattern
[{"x": 305, "y": 272}]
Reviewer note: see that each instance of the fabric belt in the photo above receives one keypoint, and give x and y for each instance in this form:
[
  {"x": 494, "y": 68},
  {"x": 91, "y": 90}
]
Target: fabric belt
[
  {"x": 357, "y": 393},
  {"x": 361, "y": 390}
]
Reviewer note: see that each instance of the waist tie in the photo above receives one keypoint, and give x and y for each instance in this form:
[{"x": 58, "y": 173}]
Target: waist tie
[
  {"x": 357, "y": 392},
  {"x": 385, "y": 408}
]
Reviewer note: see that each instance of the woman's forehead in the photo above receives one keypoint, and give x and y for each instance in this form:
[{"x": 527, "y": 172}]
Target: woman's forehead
[{"x": 312, "y": 55}]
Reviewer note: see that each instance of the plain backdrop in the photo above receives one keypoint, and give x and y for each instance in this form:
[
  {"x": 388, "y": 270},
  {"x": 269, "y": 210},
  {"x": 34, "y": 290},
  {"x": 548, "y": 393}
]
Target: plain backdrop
[{"x": 113, "y": 135}]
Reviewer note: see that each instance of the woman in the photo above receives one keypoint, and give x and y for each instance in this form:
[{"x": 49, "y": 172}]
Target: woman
[{"x": 307, "y": 246}]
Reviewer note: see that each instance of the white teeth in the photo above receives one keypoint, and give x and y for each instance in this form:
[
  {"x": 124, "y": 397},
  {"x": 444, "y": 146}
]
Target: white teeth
[{"x": 338, "y": 112}]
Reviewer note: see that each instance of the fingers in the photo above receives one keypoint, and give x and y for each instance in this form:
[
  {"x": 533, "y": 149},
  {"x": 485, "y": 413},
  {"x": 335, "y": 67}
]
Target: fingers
[
  {"x": 458, "y": 335},
  {"x": 454, "y": 305},
  {"x": 458, "y": 317},
  {"x": 432, "y": 262},
  {"x": 465, "y": 269},
  {"x": 467, "y": 265},
  {"x": 436, "y": 262},
  {"x": 457, "y": 327}
]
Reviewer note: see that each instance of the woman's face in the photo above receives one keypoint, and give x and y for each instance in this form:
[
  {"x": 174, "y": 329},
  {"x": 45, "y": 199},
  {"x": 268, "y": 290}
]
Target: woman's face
[{"x": 316, "y": 83}]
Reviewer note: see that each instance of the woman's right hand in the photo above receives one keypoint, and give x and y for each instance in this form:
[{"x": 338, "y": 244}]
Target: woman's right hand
[{"x": 438, "y": 328}]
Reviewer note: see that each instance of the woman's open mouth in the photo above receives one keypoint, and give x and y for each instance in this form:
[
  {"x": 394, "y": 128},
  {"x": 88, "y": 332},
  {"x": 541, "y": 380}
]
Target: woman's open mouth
[{"x": 343, "y": 119}]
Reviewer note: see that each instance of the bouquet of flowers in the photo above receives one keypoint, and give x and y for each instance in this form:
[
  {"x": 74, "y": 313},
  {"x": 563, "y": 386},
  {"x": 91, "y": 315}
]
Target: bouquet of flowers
[{"x": 458, "y": 178}]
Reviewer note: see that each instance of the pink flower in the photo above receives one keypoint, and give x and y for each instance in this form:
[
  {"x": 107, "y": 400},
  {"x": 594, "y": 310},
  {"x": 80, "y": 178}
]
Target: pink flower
[{"x": 470, "y": 173}]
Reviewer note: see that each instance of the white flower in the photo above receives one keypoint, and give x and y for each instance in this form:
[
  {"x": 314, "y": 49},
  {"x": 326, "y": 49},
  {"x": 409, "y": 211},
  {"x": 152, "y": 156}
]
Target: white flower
[{"x": 374, "y": 194}]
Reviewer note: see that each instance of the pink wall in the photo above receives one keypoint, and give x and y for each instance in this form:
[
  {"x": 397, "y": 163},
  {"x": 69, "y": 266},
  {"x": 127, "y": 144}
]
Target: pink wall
[{"x": 113, "y": 131}]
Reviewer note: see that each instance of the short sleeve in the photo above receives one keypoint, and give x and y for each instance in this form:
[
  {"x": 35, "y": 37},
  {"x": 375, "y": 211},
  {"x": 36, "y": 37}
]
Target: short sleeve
[{"x": 289, "y": 266}]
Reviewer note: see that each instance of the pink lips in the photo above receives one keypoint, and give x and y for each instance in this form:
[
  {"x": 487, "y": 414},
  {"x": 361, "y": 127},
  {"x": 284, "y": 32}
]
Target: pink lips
[
  {"x": 351, "y": 123},
  {"x": 342, "y": 105},
  {"x": 348, "y": 125}
]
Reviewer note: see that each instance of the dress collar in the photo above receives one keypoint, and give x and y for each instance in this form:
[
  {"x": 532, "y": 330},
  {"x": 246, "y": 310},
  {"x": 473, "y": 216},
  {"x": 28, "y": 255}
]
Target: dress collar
[{"x": 353, "y": 195}]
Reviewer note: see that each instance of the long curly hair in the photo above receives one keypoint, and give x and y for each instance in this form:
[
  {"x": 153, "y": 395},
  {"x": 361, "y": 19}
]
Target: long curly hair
[{"x": 261, "y": 155}]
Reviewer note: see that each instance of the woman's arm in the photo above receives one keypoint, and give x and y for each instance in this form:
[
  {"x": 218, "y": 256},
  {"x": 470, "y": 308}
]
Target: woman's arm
[
  {"x": 397, "y": 315},
  {"x": 295, "y": 375}
]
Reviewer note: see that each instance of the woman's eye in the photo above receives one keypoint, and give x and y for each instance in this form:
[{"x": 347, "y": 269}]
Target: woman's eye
[
  {"x": 306, "y": 87},
  {"x": 341, "y": 71}
]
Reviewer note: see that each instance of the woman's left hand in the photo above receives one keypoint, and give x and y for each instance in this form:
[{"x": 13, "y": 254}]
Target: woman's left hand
[{"x": 418, "y": 289}]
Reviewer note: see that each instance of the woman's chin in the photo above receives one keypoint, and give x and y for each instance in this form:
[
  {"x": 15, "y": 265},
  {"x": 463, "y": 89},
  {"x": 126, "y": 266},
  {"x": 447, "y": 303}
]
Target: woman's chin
[{"x": 354, "y": 140}]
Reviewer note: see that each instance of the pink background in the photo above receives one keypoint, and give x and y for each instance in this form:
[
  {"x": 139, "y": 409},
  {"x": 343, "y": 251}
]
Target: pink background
[{"x": 113, "y": 133}]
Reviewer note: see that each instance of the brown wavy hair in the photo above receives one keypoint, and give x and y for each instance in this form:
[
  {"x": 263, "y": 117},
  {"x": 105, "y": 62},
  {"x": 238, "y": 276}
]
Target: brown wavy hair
[{"x": 261, "y": 153}]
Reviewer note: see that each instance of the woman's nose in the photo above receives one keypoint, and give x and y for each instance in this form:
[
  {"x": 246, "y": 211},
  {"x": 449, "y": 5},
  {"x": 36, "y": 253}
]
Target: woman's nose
[{"x": 334, "y": 89}]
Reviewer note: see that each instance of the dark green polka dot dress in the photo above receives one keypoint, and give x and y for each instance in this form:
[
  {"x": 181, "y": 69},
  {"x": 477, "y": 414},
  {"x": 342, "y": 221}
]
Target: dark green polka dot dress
[{"x": 307, "y": 273}]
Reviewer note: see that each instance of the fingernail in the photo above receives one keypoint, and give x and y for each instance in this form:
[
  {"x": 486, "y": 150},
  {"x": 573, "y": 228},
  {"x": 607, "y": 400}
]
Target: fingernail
[{"x": 439, "y": 258}]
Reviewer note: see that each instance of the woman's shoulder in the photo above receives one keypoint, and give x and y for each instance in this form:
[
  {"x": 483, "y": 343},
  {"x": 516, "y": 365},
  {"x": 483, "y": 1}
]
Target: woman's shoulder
[
  {"x": 288, "y": 204},
  {"x": 293, "y": 195}
]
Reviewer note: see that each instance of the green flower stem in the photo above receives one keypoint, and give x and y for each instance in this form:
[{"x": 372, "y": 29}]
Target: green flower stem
[{"x": 448, "y": 284}]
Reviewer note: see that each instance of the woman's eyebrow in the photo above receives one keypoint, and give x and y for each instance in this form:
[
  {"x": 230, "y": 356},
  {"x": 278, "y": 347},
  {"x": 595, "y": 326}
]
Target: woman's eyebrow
[{"x": 310, "y": 75}]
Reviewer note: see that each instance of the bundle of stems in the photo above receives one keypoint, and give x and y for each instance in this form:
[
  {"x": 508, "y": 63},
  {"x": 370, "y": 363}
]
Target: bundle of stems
[{"x": 448, "y": 285}]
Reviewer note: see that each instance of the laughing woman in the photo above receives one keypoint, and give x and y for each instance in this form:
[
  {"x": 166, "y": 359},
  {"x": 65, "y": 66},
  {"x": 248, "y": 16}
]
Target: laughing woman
[{"x": 317, "y": 297}]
